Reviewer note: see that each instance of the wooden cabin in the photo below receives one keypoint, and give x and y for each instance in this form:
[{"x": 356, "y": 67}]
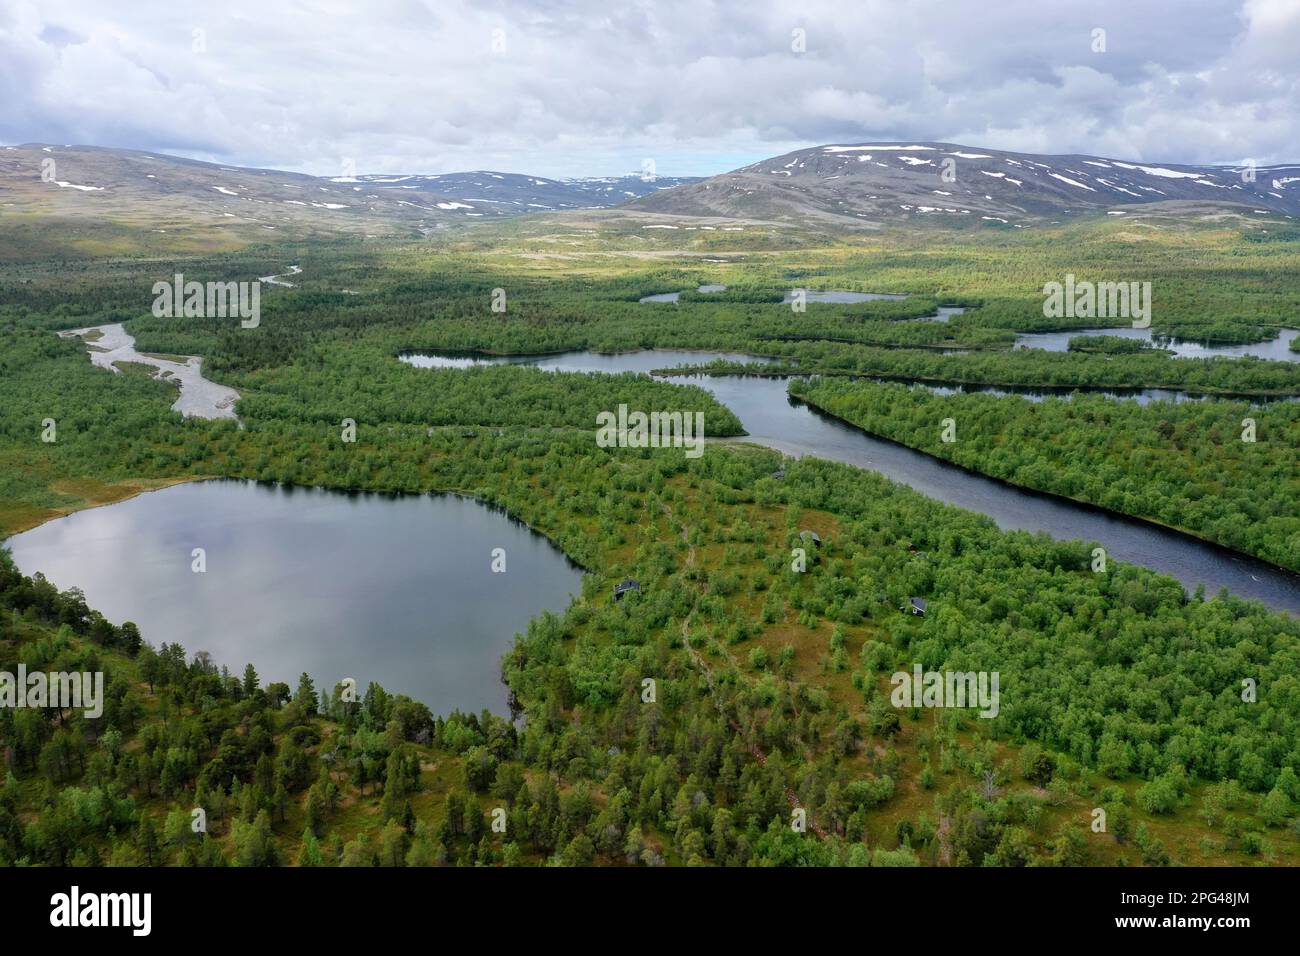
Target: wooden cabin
[
  {"x": 916, "y": 605},
  {"x": 624, "y": 586}
]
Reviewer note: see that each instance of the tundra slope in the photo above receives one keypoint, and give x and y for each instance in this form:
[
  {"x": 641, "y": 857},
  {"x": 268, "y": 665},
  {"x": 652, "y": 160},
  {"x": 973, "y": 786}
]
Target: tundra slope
[
  {"x": 94, "y": 183},
  {"x": 99, "y": 182},
  {"x": 512, "y": 194},
  {"x": 892, "y": 181}
]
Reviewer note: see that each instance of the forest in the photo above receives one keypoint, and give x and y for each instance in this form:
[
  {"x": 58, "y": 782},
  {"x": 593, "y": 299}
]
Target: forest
[
  {"x": 1150, "y": 722},
  {"x": 1118, "y": 690},
  {"x": 1191, "y": 465}
]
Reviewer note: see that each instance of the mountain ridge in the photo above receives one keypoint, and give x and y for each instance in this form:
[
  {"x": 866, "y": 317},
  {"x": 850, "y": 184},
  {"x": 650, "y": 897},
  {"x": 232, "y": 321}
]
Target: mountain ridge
[
  {"x": 100, "y": 189},
  {"x": 526, "y": 193},
  {"x": 442, "y": 196},
  {"x": 916, "y": 179}
]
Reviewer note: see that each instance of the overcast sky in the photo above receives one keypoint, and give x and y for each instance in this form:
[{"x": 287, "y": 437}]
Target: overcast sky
[{"x": 572, "y": 87}]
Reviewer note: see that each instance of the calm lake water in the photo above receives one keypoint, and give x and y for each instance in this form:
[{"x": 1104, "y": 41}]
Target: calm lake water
[
  {"x": 837, "y": 297},
  {"x": 674, "y": 296},
  {"x": 834, "y": 297},
  {"x": 1143, "y": 396},
  {"x": 646, "y": 360},
  {"x": 1278, "y": 349},
  {"x": 393, "y": 589},
  {"x": 942, "y": 314},
  {"x": 772, "y": 418}
]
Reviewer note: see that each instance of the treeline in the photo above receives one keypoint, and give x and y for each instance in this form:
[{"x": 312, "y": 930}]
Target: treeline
[
  {"x": 372, "y": 387},
  {"x": 1198, "y": 466},
  {"x": 1036, "y": 368},
  {"x": 1108, "y": 344},
  {"x": 1206, "y": 287}
]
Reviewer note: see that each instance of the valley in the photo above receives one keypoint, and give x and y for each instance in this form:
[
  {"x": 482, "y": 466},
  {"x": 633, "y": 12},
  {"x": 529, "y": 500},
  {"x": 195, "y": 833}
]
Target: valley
[{"x": 350, "y": 680}]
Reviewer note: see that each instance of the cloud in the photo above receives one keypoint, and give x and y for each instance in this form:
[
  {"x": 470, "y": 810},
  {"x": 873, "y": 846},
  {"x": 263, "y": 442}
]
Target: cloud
[{"x": 574, "y": 87}]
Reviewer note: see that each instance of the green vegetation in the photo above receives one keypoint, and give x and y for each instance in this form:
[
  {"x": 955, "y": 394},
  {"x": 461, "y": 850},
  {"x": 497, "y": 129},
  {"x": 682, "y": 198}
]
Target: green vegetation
[
  {"x": 1117, "y": 690},
  {"x": 1183, "y": 464},
  {"x": 1157, "y": 694},
  {"x": 1035, "y": 368},
  {"x": 1108, "y": 344}
]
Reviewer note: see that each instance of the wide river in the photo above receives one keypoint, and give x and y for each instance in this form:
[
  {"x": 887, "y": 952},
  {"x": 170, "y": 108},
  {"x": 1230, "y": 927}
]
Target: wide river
[{"x": 771, "y": 418}]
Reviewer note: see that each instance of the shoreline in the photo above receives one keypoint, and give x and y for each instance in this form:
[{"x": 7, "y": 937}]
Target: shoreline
[
  {"x": 1080, "y": 502},
  {"x": 158, "y": 484},
  {"x": 161, "y": 484}
]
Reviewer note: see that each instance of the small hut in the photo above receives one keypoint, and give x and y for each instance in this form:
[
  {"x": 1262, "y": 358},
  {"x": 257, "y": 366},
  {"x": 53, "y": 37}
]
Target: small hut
[
  {"x": 812, "y": 536},
  {"x": 916, "y": 605},
  {"x": 624, "y": 586}
]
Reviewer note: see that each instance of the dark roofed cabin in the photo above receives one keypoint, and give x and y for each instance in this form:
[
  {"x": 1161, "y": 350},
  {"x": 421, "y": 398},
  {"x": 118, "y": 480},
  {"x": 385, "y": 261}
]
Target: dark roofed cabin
[
  {"x": 812, "y": 536},
  {"x": 624, "y": 586},
  {"x": 917, "y": 606},
  {"x": 779, "y": 474}
]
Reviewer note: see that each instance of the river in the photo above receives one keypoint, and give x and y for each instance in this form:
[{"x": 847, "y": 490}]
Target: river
[{"x": 773, "y": 419}]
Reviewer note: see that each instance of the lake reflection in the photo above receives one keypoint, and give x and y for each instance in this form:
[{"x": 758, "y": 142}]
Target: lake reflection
[{"x": 393, "y": 589}]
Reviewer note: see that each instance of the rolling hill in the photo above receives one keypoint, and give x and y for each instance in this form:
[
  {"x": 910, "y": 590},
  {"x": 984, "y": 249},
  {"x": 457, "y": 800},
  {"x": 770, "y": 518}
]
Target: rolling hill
[
  {"x": 517, "y": 194},
  {"x": 86, "y": 199},
  {"x": 99, "y": 198},
  {"x": 892, "y": 181}
]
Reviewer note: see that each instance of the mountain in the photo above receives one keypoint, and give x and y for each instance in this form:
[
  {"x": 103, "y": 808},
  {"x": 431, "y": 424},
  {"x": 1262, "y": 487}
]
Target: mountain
[
  {"x": 516, "y": 194},
  {"x": 99, "y": 194},
  {"x": 892, "y": 181},
  {"x": 96, "y": 199}
]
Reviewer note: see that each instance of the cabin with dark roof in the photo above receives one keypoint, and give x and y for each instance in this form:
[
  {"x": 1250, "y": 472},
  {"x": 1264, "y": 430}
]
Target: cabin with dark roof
[
  {"x": 624, "y": 586},
  {"x": 916, "y": 605},
  {"x": 779, "y": 474},
  {"x": 812, "y": 536}
]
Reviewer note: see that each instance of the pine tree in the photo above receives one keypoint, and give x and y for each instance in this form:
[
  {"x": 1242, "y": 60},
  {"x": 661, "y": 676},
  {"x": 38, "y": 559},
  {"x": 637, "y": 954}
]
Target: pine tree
[
  {"x": 306, "y": 695},
  {"x": 147, "y": 839},
  {"x": 309, "y": 854}
]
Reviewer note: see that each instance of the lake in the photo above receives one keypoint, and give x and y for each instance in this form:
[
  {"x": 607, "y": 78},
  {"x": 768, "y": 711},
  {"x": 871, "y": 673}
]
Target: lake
[
  {"x": 1278, "y": 349},
  {"x": 674, "y": 296},
  {"x": 834, "y": 296},
  {"x": 839, "y": 297},
  {"x": 393, "y": 589}
]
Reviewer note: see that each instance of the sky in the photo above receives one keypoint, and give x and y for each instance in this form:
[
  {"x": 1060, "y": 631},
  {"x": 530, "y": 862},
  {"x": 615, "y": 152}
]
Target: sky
[{"x": 574, "y": 88}]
